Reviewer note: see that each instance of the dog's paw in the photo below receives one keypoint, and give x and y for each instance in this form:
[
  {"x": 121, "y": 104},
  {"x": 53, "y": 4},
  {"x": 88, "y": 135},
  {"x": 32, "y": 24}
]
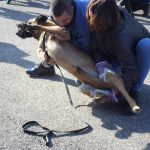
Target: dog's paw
[
  {"x": 22, "y": 25},
  {"x": 136, "y": 109}
]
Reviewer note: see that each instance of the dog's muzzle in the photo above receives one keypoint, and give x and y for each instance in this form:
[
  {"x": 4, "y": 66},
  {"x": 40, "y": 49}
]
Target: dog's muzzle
[{"x": 23, "y": 31}]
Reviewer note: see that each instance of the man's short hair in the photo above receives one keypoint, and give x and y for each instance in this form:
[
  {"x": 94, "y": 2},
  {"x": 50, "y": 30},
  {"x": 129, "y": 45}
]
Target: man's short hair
[{"x": 57, "y": 7}]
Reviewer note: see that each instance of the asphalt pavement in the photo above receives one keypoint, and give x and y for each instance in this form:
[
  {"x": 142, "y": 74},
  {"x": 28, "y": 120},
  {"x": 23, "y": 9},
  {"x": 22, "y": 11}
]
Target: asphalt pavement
[{"x": 45, "y": 100}]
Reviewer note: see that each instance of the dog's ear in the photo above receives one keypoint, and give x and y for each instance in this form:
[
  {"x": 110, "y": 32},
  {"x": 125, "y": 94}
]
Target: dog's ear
[{"x": 41, "y": 19}]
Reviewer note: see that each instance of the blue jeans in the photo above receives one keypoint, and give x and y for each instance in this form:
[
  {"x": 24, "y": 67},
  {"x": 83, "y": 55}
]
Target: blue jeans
[
  {"x": 143, "y": 60},
  {"x": 142, "y": 53}
]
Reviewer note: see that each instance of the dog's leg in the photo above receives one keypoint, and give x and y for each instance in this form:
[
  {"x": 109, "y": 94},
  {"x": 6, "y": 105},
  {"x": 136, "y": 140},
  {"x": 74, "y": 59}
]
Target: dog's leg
[
  {"x": 89, "y": 90},
  {"x": 41, "y": 51},
  {"x": 55, "y": 29},
  {"x": 85, "y": 77},
  {"x": 117, "y": 83},
  {"x": 92, "y": 92}
]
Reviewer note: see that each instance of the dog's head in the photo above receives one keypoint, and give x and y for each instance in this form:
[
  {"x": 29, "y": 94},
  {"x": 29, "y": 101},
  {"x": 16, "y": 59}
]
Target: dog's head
[{"x": 27, "y": 30}]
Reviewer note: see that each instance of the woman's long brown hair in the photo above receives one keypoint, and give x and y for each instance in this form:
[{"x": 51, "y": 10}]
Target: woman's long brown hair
[{"x": 103, "y": 15}]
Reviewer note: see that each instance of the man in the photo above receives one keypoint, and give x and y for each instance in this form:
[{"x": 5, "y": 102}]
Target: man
[{"x": 69, "y": 14}]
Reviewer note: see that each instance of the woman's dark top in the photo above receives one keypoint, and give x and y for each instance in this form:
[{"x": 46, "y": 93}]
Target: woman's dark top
[{"x": 120, "y": 45}]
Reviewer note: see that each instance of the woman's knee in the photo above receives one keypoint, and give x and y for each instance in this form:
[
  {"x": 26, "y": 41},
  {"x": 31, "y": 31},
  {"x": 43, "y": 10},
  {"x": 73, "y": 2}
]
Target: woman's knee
[{"x": 144, "y": 45}]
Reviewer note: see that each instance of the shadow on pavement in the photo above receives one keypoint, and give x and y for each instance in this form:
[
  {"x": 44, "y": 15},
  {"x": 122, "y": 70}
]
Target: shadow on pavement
[
  {"x": 147, "y": 147},
  {"x": 16, "y": 15},
  {"x": 11, "y": 54},
  {"x": 111, "y": 115},
  {"x": 58, "y": 78},
  {"x": 31, "y": 3}
]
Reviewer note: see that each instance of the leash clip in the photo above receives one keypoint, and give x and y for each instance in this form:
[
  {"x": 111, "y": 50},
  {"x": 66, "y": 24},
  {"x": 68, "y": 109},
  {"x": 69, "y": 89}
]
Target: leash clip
[{"x": 48, "y": 137}]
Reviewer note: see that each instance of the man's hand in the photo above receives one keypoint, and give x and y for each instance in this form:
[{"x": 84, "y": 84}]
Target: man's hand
[
  {"x": 61, "y": 38},
  {"x": 61, "y": 34}
]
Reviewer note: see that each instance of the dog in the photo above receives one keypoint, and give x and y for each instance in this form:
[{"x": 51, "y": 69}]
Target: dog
[{"x": 72, "y": 59}]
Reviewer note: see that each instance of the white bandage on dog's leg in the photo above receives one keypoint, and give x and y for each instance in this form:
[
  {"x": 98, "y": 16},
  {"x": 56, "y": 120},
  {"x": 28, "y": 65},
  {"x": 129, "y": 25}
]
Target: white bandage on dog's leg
[
  {"x": 102, "y": 76},
  {"x": 86, "y": 88},
  {"x": 103, "y": 68},
  {"x": 109, "y": 93},
  {"x": 99, "y": 92}
]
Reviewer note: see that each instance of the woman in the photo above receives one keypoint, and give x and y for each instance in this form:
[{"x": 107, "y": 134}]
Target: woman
[{"x": 120, "y": 40}]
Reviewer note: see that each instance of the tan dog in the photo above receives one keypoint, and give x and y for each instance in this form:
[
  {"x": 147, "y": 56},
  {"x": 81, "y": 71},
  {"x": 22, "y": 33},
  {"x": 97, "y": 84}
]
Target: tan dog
[{"x": 72, "y": 59}]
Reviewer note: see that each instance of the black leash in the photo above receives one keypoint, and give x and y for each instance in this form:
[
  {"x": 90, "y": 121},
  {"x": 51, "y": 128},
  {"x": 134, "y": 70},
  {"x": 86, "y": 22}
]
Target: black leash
[{"x": 48, "y": 134}]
